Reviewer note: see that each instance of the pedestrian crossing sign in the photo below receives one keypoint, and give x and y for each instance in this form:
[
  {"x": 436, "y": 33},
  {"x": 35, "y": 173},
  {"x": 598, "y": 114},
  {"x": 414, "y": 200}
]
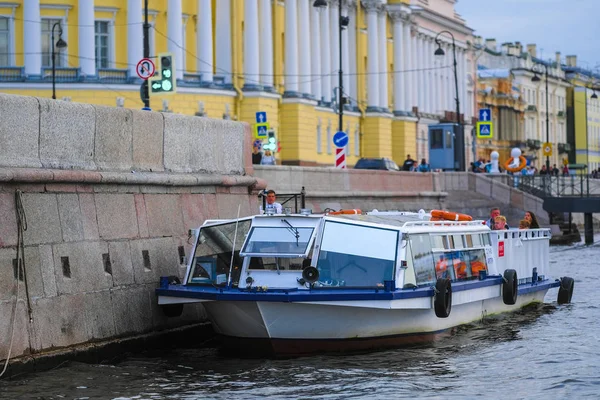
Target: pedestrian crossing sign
[
  {"x": 260, "y": 130},
  {"x": 485, "y": 130}
]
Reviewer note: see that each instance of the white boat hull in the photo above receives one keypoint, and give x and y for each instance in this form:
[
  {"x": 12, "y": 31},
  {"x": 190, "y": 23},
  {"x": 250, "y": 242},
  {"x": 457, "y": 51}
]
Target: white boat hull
[{"x": 297, "y": 328}]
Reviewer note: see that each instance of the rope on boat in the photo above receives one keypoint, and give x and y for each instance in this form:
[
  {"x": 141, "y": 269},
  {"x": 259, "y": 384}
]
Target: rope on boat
[{"x": 21, "y": 228}]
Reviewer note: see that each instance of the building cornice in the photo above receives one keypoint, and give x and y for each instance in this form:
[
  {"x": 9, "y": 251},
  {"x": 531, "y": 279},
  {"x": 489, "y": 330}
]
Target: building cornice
[
  {"x": 262, "y": 94},
  {"x": 441, "y": 20}
]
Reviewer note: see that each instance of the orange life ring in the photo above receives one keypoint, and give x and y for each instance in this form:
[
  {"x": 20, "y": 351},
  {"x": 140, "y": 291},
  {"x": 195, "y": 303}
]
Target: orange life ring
[
  {"x": 439, "y": 215},
  {"x": 522, "y": 164},
  {"x": 354, "y": 211}
]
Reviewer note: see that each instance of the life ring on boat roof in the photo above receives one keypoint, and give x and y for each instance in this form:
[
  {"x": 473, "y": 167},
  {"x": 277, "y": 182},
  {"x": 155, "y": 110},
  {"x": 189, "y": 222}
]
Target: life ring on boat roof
[
  {"x": 439, "y": 215},
  {"x": 442, "y": 299},
  {"x": 354, "y": 211},
  {"x": 509, "y": 287},
  {"x": 565, "y": 291},
  {"x": 522, "y": 164}
]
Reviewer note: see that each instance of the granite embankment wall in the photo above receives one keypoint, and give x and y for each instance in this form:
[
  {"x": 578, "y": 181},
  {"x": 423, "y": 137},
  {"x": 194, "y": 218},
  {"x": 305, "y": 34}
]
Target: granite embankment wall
[
  {"x": 469, "y": 193},
  {"x": 108, "y": 195}
]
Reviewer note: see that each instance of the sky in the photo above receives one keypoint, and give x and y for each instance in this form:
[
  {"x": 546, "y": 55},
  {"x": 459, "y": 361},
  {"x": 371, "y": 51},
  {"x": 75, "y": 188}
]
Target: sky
[{"x": 568, "y": 26}]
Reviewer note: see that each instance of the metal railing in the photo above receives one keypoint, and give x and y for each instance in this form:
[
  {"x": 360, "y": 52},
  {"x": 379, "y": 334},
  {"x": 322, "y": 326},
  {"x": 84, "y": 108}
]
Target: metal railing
[
  {"x": 286, "y": 200},
  {"x": 558, "y": 186}
]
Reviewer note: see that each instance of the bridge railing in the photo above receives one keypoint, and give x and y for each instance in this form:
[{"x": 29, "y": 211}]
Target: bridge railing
[{"x": 558, "y": 186}]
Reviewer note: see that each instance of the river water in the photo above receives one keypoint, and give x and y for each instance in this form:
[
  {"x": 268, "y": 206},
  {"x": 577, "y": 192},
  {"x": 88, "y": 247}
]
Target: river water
[{"x": 548, "y": 352}]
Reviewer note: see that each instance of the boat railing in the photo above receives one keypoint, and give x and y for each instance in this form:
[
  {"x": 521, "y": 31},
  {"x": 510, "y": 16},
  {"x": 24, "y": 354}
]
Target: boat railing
[
  {"x": 522, "y": 250},
  {"x": 443, "y": 223}
]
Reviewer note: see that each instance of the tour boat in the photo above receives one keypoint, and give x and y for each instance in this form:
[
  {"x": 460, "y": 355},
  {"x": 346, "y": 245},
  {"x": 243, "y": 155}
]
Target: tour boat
[{"x": 294, "y": 284}]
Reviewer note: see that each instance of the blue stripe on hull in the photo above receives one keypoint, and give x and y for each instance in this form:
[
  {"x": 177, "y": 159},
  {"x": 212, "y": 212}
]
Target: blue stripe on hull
[{"x": 295, "y": 295}]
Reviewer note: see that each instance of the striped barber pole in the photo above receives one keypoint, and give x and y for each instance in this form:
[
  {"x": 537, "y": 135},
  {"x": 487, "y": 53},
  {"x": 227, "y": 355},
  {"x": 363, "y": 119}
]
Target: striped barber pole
[{"x": 340, "y": 158}]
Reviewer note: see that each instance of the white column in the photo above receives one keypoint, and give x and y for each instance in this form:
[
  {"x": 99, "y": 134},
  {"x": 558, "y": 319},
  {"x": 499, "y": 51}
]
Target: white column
[
  {"x": 420, "y": 73},
  {"x": 335, "y": 43},
  {"x": 346, "y": 55},
  {"x": 315, "y": 56},
  {"x": 266, "y": 44},
  {"x": 399, "y": 103},
  {"x": 413, "y": 74},
  {"x": 407, "y": 65},
  {"x": 204, "y": 35},
  {"x": 135, "y": 35},
  {"x": 353, "y": 89},
  {"x": 175, "y": 34},
  {"x": 373, "y": 54},
  {"x": 449, "y": 80},
  {"x": 304, "y": 51},
  {"x": 383, "y": 64},
  {"x": 251, "y": 48},
  {"x": 32, "y": 31},
  {"x": 325, "y": 57},
  {"x": 291, "y": 46},
  {"x": 431, "y": 76},
  {"x": 223, "y": 40},
  {"x": 87, "y": 40},
  {"x": 463, "y": 100}
]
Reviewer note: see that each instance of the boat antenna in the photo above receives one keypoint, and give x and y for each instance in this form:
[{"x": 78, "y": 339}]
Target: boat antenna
[{"x": 237, "y": 221}]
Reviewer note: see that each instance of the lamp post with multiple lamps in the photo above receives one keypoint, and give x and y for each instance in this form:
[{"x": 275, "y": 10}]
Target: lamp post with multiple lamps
[
  {"x": 343, "y": 22},
  {"x": 536, "y": 78},
  {"x": 60, "y": 44},
  {"x": 439, "y": 52}
]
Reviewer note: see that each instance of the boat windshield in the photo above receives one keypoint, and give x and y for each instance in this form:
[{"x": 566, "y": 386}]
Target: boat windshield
[
  {"x": 275, "y": 241},
  {"x": 213, "y": 254},
  {"x": 356, "y": 256}
]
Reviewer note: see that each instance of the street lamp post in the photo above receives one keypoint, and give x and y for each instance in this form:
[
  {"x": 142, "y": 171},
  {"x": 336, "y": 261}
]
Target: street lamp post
[
  {"x": 440, "y": 52},
  {"x": 343, "y": 22},
  {"x": 60, "y": 44},
  {"x": 537, "y": 79}
]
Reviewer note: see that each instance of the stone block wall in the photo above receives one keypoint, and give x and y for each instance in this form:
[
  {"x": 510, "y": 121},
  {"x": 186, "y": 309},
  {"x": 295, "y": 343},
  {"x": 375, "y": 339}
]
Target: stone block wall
[{"x": 109, "y": 196}]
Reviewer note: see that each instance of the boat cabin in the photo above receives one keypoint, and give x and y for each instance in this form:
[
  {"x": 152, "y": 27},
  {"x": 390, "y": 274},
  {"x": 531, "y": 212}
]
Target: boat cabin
[{"x": 381, "y": 250}]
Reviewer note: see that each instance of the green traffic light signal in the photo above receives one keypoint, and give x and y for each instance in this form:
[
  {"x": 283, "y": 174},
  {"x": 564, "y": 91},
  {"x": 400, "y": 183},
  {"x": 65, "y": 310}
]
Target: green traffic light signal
[{"x": 166, "y": 82}]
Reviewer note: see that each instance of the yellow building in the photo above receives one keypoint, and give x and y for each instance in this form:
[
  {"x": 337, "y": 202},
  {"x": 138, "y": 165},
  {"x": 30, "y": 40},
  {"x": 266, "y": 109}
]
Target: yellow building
[
  {"x": 234, "y": 58},
  {"x": 499, "y": 92},
  {"x": 583, "y": 116}
]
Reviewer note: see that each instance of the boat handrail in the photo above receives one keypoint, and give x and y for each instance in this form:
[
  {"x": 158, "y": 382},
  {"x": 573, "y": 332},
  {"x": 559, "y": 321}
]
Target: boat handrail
[{"x": 443, "y": 223}]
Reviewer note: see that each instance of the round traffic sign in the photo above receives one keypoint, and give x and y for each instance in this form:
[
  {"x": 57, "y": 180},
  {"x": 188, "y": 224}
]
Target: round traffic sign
[
  {"x": 145, "y": 68},
  {"x": 340, "y": 139}
]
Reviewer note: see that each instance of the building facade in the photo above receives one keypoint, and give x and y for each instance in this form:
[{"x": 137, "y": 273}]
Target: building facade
[
  {"x": 234, "y": 58},
  {"x": 583, "y": 115},
  {"x": 522, "y": 66}
]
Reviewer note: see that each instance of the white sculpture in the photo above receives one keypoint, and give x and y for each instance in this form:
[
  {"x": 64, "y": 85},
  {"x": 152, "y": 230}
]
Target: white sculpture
[
  {"x": 515, "y": 154},
  {"x": 494, "y": 162}
]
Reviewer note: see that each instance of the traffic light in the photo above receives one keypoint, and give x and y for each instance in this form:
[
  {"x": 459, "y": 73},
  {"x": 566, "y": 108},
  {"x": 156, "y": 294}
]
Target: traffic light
[
  {"x": 166, "y": 82},
  {"x": 271, "y": 142}
]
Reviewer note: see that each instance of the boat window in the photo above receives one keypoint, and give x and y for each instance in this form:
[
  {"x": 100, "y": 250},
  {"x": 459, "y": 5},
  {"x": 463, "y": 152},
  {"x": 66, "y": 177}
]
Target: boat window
[
  {"x": 420, "y": 245},
  {"x": 278, "y": 241},
  {"x": 356, "y": 256},
  {"x": 469, "y": 240},
  {"x": 458, "y": 241},
  {"x": 485, "y": 238},
  {"x": 450, "y": 240},
  {"x": 277, "y": 263},
  {"x": 460, "y": 265},
  {"x": 437, "y": 242},
  {"x": 213, "y": 254},
  {"x": 475, "y": 240}
]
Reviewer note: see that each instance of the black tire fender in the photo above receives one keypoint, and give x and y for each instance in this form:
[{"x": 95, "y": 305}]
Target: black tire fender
[
  {"x": 509, "y": 287},
  {"x": 442, "y": 300},
  {"x": 565, "y": 291}
]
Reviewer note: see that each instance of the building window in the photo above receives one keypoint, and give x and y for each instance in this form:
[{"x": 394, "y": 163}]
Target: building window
[
  {"x": 319, "y": 140},
  {"x": 47, "y": 24},
  {"x": 102, "y": 44},
  {"x": 4, "y": 42}
]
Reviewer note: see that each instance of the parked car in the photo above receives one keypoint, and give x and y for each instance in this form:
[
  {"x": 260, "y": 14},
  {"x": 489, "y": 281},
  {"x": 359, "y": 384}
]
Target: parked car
[{"x": 377, "y": 163}]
